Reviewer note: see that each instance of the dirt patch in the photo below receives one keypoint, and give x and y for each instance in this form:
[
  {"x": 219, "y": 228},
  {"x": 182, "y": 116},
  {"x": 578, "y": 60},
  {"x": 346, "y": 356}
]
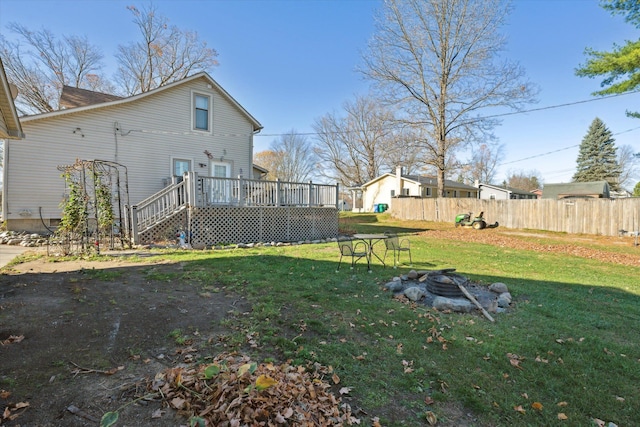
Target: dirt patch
[{"x": 95, "y": 332}]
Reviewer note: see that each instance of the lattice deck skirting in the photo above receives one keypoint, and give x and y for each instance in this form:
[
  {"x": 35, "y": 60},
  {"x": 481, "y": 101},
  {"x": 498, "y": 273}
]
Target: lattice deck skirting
[{"x": 233, "y": 224}]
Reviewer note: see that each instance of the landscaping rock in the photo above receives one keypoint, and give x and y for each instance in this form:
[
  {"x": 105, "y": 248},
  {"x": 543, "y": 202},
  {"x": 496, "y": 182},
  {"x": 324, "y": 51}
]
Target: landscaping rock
[
  {"x": 504, "y": 300},
  {"x": 498, "y": 288},
  {"x": 412, "y": 275},
  {"x": 394, "y": 286},
  {"x": 414, "y": 293},
  {"x": 457, "y": 305}
]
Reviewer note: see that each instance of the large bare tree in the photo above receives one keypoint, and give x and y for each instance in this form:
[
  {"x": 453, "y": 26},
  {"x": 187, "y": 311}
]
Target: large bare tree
[
  {"x": 361, "y": 142},
  {"x": 40, "y": 64},
  {"x": 164, "y": 53},
  {"x": 438, "y": 60},
  {"x": 289, "y": 158}
]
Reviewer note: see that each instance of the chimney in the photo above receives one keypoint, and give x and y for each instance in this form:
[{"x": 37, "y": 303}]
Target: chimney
[{"x": 398, "y": 180}]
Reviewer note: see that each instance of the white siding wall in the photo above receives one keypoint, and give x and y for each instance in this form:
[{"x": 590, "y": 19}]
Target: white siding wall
[
  {"x": 153, "y": 130},
  {"x": 380, "y": 191},
  {"x": 487, "y": 192}
]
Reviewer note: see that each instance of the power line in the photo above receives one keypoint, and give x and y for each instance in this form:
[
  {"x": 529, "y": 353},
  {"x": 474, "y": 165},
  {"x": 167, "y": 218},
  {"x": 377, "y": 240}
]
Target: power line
[
  {"x": 559, "y": 149},
  {"x": 511, "y": 113}
]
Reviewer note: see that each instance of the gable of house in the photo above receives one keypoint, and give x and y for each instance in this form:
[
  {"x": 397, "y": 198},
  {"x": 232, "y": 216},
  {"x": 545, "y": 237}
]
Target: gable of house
[{"x": 152, "y": 136}]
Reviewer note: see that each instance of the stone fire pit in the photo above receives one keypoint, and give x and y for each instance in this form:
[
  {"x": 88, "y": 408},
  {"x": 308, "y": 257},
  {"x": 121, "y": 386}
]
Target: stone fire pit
[{"x": 439, "y": 289}]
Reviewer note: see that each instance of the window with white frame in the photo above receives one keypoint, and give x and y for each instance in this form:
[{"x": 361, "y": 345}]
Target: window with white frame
[
  {"x": 201, "y": 112},
  {"x": 405, "y": 191},
  {"x": 180, "y": 166}
]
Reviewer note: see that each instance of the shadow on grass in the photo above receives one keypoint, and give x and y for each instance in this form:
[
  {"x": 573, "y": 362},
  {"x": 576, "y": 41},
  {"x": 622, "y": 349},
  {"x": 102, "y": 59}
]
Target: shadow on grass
[{"x": 569, "y": 339}]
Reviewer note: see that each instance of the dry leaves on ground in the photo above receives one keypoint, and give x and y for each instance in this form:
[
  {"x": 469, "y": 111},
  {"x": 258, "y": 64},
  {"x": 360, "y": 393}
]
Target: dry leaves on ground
[
  {"x": 566, "y": 245},
  {"x": 232, "y": 391}
]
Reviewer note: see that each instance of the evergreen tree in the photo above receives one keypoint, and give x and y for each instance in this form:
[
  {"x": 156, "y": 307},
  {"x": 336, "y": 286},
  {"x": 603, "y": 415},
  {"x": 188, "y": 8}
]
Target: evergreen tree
[
  {"x": 597, "y": 159},
  {"x": 636, "y": 190}
]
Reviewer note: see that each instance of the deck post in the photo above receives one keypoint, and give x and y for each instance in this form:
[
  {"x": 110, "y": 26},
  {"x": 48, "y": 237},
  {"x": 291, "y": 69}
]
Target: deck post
[
  {"x": 278, "y": 192},
  {"x": 240, "y": 191},
  {"x": 134, "y": 224},
  {"x": 310, "y": 191},
  {"x": 337, "y": 195}
]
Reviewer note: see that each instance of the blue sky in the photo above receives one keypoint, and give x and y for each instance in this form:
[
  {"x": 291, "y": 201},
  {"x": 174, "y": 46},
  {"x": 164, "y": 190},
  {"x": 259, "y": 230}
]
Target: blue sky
[{"x": 289, "y": 62}]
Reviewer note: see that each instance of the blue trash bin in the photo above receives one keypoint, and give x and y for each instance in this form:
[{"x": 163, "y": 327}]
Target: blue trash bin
[{"x": 376, "y": 207}]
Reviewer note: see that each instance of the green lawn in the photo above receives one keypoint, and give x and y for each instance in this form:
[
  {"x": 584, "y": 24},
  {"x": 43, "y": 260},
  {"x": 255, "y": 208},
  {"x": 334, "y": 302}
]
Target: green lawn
[{"x": 566, "y": 353}]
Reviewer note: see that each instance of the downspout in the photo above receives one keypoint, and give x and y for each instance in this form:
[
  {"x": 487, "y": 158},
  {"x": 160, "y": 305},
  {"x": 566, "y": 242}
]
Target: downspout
[{"x": 116, "y": 129}]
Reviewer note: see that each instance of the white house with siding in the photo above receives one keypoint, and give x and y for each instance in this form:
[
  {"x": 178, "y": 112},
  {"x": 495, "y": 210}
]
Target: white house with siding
[
  {"x": 189, "y": 125},
  {"x": 386, "y": 187},
  {"x": 496, "y": 192}
]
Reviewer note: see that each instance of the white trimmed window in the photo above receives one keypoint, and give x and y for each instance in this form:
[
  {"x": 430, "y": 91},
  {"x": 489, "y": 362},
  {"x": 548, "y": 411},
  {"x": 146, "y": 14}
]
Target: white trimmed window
[
  {"x": 180, "y": 166},
  {"x": 201, "y": 112}
]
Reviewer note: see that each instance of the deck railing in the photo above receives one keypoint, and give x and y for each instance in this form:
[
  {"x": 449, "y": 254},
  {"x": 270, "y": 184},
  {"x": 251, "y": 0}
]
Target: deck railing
[
  {"x": 205, "y": 191},
  {"x": 212, "y": 191}
]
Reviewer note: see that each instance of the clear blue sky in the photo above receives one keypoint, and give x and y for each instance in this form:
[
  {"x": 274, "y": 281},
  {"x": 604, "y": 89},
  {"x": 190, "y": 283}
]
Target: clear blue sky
[{"x": 289, "y": 62}]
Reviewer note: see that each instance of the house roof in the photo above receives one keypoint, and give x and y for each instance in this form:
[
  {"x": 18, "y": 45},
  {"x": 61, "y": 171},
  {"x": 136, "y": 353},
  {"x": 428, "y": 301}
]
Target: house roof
[
  {"x": 202, "y": 75},
  {"x": 575, "y": 189},
  {"x": 72, "y": 97},
  {"x": 433, "y": 182},
  {"x": 507, "y": 189},
  {"x": 424, "y": 180},
  {"x": 10, "y": 126},
  {"x": 260, "y": 168}
]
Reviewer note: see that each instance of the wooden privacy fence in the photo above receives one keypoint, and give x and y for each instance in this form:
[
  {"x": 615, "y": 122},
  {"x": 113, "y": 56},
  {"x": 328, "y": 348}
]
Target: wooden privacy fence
[{"x": 587, "y": 216}]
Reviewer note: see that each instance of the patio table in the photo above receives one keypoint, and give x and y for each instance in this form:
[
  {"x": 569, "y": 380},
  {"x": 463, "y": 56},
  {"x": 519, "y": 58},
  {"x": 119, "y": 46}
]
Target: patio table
[{"x": 371, "y": 240}]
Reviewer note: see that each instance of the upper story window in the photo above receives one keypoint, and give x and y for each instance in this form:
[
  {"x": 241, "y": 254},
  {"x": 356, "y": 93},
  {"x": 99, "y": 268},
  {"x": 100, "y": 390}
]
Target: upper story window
[{"x": 202, "y": 107}]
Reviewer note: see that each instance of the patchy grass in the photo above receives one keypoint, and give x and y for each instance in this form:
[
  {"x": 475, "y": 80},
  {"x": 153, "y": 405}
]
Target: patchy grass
[{"x": 568, "y": 346}]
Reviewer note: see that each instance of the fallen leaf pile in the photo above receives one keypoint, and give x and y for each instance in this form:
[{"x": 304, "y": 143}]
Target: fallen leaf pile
[
  {"x": 232, "y": 391},
  {"x": 497, "y": 237}
]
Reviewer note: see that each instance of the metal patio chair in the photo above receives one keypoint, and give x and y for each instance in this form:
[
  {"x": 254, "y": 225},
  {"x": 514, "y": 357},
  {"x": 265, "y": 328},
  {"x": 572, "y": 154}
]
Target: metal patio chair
[
  {"x": 356, "y": 251},
  {"x": 397, "y": 245}
]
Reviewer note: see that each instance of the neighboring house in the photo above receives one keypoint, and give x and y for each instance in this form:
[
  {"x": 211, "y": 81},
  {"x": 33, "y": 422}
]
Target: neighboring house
[
  {"x": 495, "y": 192},
  {"x": 596, "y": 190},
  {"x": 192, "y": 125},
  {"x": 537, "y": 192},
  {"x": 383, "y": 189},
  {"x": 258, "y": 172},
  {"x": 622, "y": 194}
]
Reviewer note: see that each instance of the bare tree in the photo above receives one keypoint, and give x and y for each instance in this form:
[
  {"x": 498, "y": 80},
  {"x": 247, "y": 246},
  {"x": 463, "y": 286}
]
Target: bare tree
[
  {"x": 163, "y": 55},
  {"x": 361, "y": 144},
  {"x": 485, "y": 159},
  {"x": 628, "y": 162},
  {"x": 289, "y": 158},
  {"x": 438, "y": 60},
  {"x": 47, "y": 64},
  {"x": 522, "y": 180}
]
